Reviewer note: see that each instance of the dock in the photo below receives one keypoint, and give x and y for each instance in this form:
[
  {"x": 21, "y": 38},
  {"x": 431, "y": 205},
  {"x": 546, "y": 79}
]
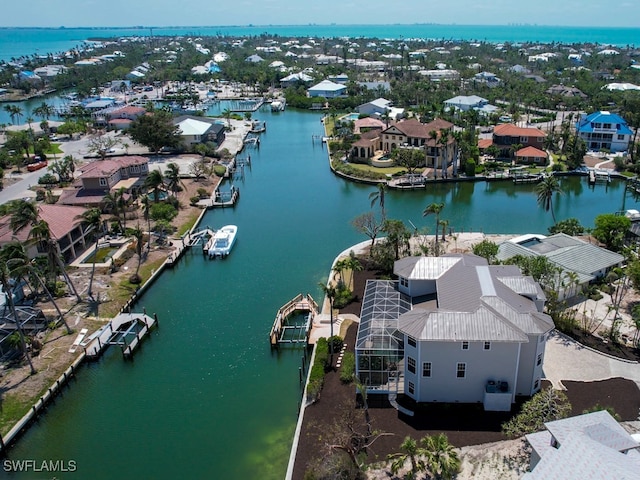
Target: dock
[
  {"x": 599, "y": 176},
  {"x": 127, "y": 330},
  {"x": 285, "y": 332},
  {"x": 528, "y": 178}
]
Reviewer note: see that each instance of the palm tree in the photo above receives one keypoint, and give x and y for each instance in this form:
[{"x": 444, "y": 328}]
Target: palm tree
[
  {"x": 331, "y": 292},
  {"x": 44, "y": 111},
  {"x": 111, "y": 203},
  {"x": 545, "y": 190},
  {"x": 14, "y": 111},
  {"x": 146, "y": 213},
  {"x": 443, "y": 142},
  {"x": 409, "y": 451},
  {"x": 93, "y": 221},
  {"x": 5, "y": 276},
  {"x": 15, "y": 256},
  {"x": 138, "y": 235},
  {"x": 442, "y": 459},
  {"x": 173, "y": 178},
  {"x": 444, "y": 224},
  {"x": 353, "y": 265},
  {"x": 226, "y": 113},
  {"x": 153, "y": 182},
  {"x": 434, "y": 208},
  {"x": 24, "y": 213},
  {"x": 378, "y": 197}
]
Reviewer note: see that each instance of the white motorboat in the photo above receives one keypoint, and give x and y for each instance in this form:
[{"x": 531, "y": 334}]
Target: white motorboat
[{"x": 222, "y": 241}]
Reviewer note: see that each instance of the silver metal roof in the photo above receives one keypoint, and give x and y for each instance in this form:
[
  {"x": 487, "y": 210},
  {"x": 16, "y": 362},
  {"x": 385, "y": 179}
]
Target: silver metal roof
[{"x": 424, "y": 268}]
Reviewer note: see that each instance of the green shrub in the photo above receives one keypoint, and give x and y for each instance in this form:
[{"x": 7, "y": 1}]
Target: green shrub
[
  {"x": 194, "y": 200},
  {"x": 316, "y": 375},
  {"x": 337, "y": 343},
  {"x": 343, "y": 298},
  {"x": 348, "y": 368},
  {"x": 219, "y": 170}
]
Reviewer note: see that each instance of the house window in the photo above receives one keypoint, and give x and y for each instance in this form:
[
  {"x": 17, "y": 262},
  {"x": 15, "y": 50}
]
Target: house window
[
  {"x": 411, "y": 341},
  {"x": 487, "y": 345},
  {"x": 465, "y": 345},
  {"x": 412, "y": 388},
  {"x": 411, "y": 365},
  {"x": 606, "y": 126},
  {"x": 404, "y": 282},
  {"x": 426, "y": 369},
  {"x": 461, "y": 370},
  {"x": 536, "y": 384},
  {"x": 539, "y": 361},
  {"x": 103, "y": 182},
  {"x": 620, "y": 137},
  {"x": 524, "y": 140}
]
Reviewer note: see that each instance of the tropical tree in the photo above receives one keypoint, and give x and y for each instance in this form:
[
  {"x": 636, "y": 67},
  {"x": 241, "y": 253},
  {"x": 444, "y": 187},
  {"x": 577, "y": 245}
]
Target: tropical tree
[
  {"x": 486, "y": 249},
  {"x": 546, "y": 190},
  {"x": 137, "y": 234},
  {"x": 153, "y": 182},
  {"x": 409, "y": 450},
  {"x": 24, "y": 213},
  {"x": 435, "y": 209},
  {"x": 146, "y": 213},
  {"x": 14, "y": 111},
  {"x": 442, "y": 461},
  {"x": 155, "y": 131},
  {"x": 610, "y": 229},
  {"x": 352, "y": 265},
  {"x": 397, "y": 236},
  {"x": 92, "y": 221},
  {"x": 44, "y": 111},
  {"x": 15, "y": 256},
  {"x": 5, "y": 276},
  {"x": 64, "y": 168},
  {"x": 570, "y": 226},
  {"x": 172, "y": 174},
  {"x": 378, "y": 197}
]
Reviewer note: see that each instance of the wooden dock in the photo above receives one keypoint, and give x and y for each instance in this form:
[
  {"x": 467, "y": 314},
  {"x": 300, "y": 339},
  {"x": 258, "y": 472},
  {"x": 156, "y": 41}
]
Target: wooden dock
[
  {"x": 283, "y": 333},
  {"x": 126, "y": 330}
]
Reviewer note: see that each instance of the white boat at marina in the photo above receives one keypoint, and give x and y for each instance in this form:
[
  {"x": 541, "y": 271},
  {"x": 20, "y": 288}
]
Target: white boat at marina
[
  {"x": 278, "y": 105},
  {"x": 222, "y": 241}
]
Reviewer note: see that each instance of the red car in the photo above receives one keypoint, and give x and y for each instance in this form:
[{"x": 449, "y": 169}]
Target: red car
[{"x": 36, "y": 166}]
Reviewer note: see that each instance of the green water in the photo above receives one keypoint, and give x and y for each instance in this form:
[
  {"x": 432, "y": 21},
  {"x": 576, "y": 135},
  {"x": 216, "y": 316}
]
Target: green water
[{"x": 205, "y": 397}]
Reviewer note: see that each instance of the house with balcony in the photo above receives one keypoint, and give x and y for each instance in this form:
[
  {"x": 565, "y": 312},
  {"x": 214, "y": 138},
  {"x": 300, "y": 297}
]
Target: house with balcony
[
  {"x": 103, "y": 176},
  {"x": 604, "y": 131},
  {"x": 453, "y": 329},
  {"x": 430, "y": 137},
  {"x": 507, "y": 136},
  {"x": 66, "y": 230}
]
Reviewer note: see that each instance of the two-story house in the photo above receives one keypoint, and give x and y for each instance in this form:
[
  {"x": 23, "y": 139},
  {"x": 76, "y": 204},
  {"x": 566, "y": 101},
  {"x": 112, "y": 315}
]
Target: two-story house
[
  {"x": 432, "y": 137},
  {"x": 508, "y": 136},
  {"x": 453, "y": 329},
  {"x": 604, "y": 131},
  {"x": 103, "y": 176}
]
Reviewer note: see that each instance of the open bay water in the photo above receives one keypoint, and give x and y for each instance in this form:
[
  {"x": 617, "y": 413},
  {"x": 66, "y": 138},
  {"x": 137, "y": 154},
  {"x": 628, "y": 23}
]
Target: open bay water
[
  {"x": 204, "y": 396},
  {"x": 15, "y": 42}
]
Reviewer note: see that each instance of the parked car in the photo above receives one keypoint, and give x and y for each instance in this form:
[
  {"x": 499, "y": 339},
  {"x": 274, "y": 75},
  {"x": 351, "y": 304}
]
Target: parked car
[{"x": 32, "y": 167}]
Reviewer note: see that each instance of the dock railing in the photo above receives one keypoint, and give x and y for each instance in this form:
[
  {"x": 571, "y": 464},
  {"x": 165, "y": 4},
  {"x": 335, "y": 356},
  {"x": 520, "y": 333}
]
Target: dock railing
[{"x": 299, "y": 303}]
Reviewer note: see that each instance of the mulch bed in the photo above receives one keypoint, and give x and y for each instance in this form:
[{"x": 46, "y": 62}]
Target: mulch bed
[
  {"x": 613, "y": 349},
  {"x": 464, "y": 424}
]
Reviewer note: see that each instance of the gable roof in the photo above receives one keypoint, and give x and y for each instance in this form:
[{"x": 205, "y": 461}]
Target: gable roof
[
  {"x": 327, "y": 86},
  {"x": 190, "y": 126},
  {"x": 531, "y": 152}
]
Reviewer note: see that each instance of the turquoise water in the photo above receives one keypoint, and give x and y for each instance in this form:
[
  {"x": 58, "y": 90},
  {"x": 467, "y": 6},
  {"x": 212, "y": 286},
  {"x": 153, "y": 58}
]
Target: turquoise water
[
  {"x": 205, "y": 397},
  {"x": 15, "y": 42}
]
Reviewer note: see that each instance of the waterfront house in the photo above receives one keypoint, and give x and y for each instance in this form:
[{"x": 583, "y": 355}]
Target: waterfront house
[
  {"x": 381, "y": 108},
  {"x": 103, "y": 176},
  {"x": 295, "y": 79},
  {"x": 465, "y": 103},
  {"x": 593, "y": 445},
  {"x": 65, "y": 227},
  {"x": 412, "y": 133},
  {"x": 582, "y": 262},
  {"x": 121, "y": 118},
  {"x": 604, "y": 130},
  {"x": 532, "y": 156},
  {"x": 506, "y": 135},
  {"x": 194, "y": 130},
  {"x": 327, "y": 89},
  {"x": 453, "y": 329}
]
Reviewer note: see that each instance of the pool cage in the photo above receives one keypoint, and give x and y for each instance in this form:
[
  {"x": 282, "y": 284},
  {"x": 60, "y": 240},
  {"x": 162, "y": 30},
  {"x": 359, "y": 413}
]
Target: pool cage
[
  {"x": 379, "y": 344},
  {"x": 32, "y": 321}
]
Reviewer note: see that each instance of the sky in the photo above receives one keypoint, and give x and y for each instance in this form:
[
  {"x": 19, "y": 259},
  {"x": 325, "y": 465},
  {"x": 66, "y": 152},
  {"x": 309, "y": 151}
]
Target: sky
[{"x": 121, "y": 13}]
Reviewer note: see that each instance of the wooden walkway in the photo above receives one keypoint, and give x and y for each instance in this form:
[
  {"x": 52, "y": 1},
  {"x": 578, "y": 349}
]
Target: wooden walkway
[{"x": 300, "y": 304}]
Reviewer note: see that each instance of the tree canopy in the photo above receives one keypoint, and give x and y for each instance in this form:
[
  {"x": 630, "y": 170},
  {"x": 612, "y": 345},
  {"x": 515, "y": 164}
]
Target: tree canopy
[
  {"x": 155, "y": 131},
  {"x": 610, "y": 229}
]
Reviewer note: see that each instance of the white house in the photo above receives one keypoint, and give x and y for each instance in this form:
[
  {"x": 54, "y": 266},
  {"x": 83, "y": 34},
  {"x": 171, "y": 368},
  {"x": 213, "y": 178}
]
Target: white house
[
  {"x": 327, "y": 89},
  {"x": 470, "y": 102},
  {"x": 453, "y": 329},
  {"x": 380, "y": 107},
  {"x": 604, "y": 130}
]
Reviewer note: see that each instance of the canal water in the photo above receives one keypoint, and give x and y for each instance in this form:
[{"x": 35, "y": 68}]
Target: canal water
[{"x": 205, "y": 397}]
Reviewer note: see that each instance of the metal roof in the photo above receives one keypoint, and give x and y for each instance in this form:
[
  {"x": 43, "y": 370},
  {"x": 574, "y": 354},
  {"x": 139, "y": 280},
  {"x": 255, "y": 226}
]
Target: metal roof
[
  {"x": 483, "y": 324},
  {"x": 423, "y": 268}
]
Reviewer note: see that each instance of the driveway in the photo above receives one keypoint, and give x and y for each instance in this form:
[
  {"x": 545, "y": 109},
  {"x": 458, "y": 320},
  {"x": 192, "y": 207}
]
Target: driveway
[{"x": 566, "y": 359}]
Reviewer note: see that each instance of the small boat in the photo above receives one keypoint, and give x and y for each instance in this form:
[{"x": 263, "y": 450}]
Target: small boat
[{"x": 222, "y": 241}]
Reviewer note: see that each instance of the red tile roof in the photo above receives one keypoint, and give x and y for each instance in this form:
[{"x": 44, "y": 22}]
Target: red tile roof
[
  {"x": 61, "y": 219},
  {"x": 531, "y": 152},
  {"x": 484, "y": 143},
  {"x": 107, "y": 167},
  {"x": 510, "y": 130}
]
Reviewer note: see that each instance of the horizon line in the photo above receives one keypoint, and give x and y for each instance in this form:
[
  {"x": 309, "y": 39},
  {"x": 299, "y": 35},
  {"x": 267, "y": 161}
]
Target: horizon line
[{"x": 250, "y": 25}]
